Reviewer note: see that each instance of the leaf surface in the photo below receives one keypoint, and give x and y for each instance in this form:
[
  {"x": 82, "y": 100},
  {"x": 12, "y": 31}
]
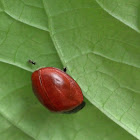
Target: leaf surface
[{"x": 101, "y": 54}]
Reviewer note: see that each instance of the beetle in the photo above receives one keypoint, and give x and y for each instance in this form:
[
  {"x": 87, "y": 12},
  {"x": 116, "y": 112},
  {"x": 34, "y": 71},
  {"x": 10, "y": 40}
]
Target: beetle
[{"x": 56, "y": 90}]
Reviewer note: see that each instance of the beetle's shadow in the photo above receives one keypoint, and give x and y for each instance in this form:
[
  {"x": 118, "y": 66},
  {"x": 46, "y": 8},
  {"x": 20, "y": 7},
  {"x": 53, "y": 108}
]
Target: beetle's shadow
[{"x": 75, "y": 110}]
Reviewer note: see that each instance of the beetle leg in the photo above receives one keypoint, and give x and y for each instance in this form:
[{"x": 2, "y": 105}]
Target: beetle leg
[{"x": 64, "y": 69}]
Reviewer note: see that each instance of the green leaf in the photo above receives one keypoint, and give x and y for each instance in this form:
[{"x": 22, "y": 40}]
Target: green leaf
[
  {"x": 23, "y": 117},
  {"x": 126, "y": 11},
  {"x": 27, "y": 11},
  {"x": 101, "y": 53}
]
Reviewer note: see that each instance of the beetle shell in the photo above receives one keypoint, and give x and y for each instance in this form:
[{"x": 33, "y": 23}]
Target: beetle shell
[{"x": 56, "y": 90}]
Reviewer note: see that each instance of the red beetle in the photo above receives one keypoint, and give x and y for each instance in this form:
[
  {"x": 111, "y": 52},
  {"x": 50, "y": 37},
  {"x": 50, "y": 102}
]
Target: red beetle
[{"x": 57, "y": 91}]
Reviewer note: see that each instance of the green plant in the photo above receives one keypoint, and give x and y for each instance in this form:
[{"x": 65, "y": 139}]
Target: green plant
[{"x": 98, "y": 41}]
